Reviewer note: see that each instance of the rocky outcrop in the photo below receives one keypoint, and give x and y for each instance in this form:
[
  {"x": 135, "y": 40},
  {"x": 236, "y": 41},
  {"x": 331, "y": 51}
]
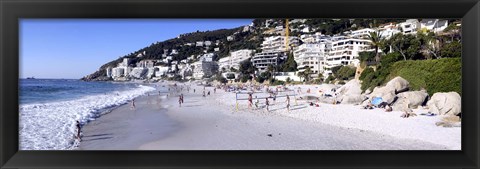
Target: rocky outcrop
[
  {"x": 351, "y": 93},
  {"x": 389, "y": 91},
  {"x": 415, "y": 98},
  {"x": 445, "y": 104},
  {"x": 399, "y": 84}
]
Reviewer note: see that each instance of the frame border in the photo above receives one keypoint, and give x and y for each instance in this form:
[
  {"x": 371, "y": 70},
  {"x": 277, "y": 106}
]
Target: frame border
[{"x": 11, "y": 11}]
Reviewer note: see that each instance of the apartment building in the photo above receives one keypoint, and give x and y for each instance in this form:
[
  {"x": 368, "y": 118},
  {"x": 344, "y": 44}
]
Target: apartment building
[
  {"x": 262, "y": 60},
  {"x": 233, "y": 61},
  {"x": 344, "y": 51},
  {"x": 277, "y": 44},
  {"x": 311, "y": 55},
  {"x": 435, "y": 25},
  {"x": 410, "y": 26}
]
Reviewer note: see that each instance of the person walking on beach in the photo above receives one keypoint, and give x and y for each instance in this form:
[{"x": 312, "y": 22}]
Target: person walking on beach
[
  {"x": 203, "y": 93},
  {"x": 181, "y": 97},
  {"x": 133, "y": 104},
  {"x": 78, "y": 130},
  {"x": 288, "y": 103},
  {"x": 214, "y": 90},
  {"x": 208, "y": 93},
  {"x": 180, "y": 101},
  {"x": 267, "y": 103},
  {"x": 193, "y": 90},
  {"x": 250, "y": 100}
]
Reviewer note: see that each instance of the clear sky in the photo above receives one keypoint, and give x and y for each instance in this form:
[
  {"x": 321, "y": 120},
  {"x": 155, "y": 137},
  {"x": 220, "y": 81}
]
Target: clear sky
[{"x": 73, "y": 48}]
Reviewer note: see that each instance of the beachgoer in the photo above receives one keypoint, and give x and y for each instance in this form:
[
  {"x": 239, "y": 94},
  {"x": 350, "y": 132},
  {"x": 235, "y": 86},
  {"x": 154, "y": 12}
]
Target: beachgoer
[
  {"x": 180, "y": 101},
  {"x": 78, "y": 130},
  {"x": 204, "y": 93},
  {"x": 274, "y": 98},
  {"x": 214, "y": 90},
  {"x": 250, "y": 100},
  {"x": 288, "y": 103},
  {"x": 209, "y": 92},
  {"x": 182, "y": 97},
  {"x": 193, "y": 90},
  {"x": 266, "y": 103},
  {"x": 388, "y": 108},
  {"x": 133, "y": 104}
]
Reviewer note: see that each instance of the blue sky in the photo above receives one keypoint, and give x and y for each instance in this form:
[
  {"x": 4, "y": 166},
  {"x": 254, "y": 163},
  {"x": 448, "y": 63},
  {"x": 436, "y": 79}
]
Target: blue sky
[{"x": 73, "y": 48}]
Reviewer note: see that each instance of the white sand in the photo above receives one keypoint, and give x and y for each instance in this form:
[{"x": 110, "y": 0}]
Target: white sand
[{"x": 212, "y": 123}]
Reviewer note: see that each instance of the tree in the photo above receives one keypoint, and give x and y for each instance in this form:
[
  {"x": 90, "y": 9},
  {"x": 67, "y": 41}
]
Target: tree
[
  {"x": 365, "y": 57},
  {"x": 376, "y": 42},
  {"x": 345, "y": 73},
  {"x": 430, "y": 44},
  {"x": 290, "y": 65},
  {"x": 407, "y": 45}
]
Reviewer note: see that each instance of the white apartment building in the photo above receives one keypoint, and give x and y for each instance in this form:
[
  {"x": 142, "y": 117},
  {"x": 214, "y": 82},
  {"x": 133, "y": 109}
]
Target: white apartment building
[
  {"x": 313, "y": 38},
  {"x": 277, "y": 43},
  {"x": 160, "y": 70},
  {"x": 234, "y": 59},
  {"x": 311, "y": 55},
  {"x": 262, "y": 60},
  {"x": 410, "y": 26},
  {"x": 138, "y": 72},
  {"x": 362, "y": 33},
  {"x": 434, "y": 25},
  {"x": 344, "y": 51},
  {"x": 387, "y": 33}
]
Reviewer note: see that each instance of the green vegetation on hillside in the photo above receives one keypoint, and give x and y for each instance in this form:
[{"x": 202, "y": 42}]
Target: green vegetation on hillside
[{"x": 438, "y": 75}]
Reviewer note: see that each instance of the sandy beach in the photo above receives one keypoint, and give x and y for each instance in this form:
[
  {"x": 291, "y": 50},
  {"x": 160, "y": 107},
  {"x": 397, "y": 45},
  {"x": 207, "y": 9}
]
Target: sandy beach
[{"x": 214, "y": 123}]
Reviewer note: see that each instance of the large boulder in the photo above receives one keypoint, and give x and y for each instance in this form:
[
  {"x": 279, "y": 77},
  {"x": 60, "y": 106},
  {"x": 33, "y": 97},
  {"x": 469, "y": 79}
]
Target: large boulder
[
  {"x": 350, "y": 93},
  {"x": 389, "y": 91},
  {"x": 415, "y": 98},
  {"x": 445, "y": 104},
  {"x": 399, "y": 84}
]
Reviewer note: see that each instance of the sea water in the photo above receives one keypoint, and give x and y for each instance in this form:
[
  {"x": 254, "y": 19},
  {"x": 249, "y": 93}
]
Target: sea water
[{"x": 49, "y": 109}]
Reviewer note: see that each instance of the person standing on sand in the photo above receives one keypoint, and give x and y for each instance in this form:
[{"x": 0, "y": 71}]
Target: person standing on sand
[
  {"x": 203, "y": 93},
  {"x": 182, "y": 97},
  {"x": 214, "y": 90},
  {"x": 250, "y": 100},
  {"x": 266, "y": 103},
  {"x": 193, "y": 90},
  {"x": 209, "y": 92},
  {"x": 133, "y": 104},
  {"x": 180, "y": 101},
  {"x": 288, "y": 103},
  {"x": 79, "y": 127}
]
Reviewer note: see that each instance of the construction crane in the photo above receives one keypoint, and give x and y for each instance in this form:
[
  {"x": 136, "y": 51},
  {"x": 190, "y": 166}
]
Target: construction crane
[{"x": 287, "y": 48}]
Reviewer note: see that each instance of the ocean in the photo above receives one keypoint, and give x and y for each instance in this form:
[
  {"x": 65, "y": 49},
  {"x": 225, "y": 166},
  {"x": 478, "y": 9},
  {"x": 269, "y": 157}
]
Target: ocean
[{"x": 49, "y": 108}]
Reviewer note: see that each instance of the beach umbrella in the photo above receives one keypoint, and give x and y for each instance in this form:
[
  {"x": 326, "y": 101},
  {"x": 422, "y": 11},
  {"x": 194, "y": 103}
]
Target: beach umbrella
[{"x": 376, "y": 101}]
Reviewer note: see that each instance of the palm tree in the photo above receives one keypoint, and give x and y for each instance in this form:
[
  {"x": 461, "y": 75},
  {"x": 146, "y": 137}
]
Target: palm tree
[{"x": 376, "y": 42}]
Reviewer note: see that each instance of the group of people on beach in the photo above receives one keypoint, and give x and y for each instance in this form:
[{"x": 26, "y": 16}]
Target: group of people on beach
[{"x": 267, "y": 102}]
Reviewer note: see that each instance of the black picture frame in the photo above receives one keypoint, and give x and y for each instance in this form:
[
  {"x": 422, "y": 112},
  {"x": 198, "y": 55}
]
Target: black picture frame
[{"x": 13, "y": 10}]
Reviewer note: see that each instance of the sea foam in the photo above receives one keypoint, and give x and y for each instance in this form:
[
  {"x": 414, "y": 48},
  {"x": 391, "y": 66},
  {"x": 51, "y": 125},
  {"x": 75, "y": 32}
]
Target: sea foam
[{"x": 52, "y": 126}]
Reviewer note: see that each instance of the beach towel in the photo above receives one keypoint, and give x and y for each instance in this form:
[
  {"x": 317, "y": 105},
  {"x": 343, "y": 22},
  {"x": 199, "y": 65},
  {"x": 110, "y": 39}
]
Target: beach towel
[{"x": 376, "y": 101}]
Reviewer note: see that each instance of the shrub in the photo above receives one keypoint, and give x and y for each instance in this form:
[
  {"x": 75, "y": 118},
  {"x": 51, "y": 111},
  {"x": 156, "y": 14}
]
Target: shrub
[{"x": 438, "y": 75}]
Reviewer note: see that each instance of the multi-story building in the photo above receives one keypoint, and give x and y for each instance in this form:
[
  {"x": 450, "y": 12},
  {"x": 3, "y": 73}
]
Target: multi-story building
[
  {"x": 277, "y": 44},
  {"x": 434, "y": 25},
  {"x": 361, "y": 33},
  {"x": 262, "y": 60},
  {"x": 344, "y": 51},
  {"x": 233, "y": 61},
  {"x": 410, "y": 26},
  {"x": 311, "y": 55},
  {"x": 205, "y": 67}
]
